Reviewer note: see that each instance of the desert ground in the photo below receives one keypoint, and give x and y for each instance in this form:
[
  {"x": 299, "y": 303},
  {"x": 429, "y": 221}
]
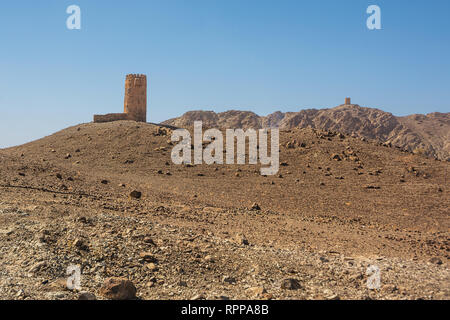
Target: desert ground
[{"x": 338, "y": 205}]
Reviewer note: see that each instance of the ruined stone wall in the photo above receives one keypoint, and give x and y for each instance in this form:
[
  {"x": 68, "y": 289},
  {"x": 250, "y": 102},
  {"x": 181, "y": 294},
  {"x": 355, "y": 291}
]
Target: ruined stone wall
[
  {"x": 110, "y": 117},
  {"x": 348, "y": 101},
  {"x": 135, "y": 104}
]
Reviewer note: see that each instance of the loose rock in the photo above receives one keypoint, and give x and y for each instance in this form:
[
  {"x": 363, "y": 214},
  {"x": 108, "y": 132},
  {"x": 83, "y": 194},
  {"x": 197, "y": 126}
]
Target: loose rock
[
  {"x": 118, "y": 289},
  {"x": 290, "y": 284}
]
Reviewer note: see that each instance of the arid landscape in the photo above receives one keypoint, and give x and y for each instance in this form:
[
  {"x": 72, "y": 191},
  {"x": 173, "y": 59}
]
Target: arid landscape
[{"x": 357, "y": 187}]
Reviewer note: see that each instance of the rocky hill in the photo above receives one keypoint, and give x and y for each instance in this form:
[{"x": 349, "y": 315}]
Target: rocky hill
[
  {"x": 424, "y": 134},
  {"x": 107, "y": 198}
]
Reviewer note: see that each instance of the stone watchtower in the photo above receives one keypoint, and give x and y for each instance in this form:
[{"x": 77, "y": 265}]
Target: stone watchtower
[{"x": 135, "y": 102}]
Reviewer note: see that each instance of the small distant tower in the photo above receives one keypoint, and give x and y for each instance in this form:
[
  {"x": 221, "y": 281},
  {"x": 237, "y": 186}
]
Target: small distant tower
[
  {"x": 348, "y": 101},
  {"x": 135, "y": 103}
]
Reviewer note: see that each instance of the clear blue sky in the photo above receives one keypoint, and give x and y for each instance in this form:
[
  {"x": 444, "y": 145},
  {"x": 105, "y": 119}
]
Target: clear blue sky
[{"x": 217, "y": 55}]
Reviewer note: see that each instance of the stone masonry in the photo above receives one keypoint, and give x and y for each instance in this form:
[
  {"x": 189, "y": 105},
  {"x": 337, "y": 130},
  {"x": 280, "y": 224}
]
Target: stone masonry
[{"x": 135, "y": 102}]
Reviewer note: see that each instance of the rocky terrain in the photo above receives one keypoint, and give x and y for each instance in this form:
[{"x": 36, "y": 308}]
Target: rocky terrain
[
  {"x": 106, "y": 197},
  {"x": 423, "y": 134}
]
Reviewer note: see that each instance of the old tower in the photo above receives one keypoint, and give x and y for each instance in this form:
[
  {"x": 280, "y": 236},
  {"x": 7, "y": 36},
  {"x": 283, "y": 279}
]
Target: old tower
[{"x": 135, "y": 102}]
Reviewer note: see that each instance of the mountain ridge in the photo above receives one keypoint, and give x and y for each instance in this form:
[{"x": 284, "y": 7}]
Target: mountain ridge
[{"x": 424, "y": 134}]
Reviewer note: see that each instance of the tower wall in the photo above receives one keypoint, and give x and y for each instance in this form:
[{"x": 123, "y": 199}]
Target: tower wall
[
  {"x": 135, "y": 104},
  {"x": 348, "y": 101}
]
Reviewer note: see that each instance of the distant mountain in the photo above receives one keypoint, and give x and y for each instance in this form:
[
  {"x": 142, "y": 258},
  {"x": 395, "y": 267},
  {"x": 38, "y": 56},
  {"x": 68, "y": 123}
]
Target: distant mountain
[{"x": 427, "y": 134}]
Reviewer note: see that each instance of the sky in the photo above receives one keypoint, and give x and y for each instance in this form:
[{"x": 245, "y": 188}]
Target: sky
[{"x": 256, "y": 55}]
